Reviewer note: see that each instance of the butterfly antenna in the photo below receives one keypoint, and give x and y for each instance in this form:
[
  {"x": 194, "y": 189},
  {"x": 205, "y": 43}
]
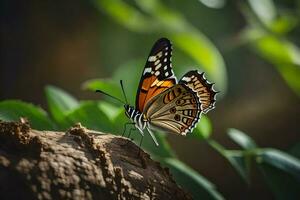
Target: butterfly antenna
[
  {"x": 100, "y": 91},
  {"x": 121, "y": 83}
]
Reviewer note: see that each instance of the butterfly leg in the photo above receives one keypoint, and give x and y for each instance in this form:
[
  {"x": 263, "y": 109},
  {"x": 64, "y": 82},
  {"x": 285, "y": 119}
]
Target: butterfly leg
[
  {"x": 140, "y": 146},
  {"x": 153, "y": 136},
  {"x": 130, "y": 131},
  {"x": 125, "y": 127},
  {"x": 140, "y": 130},
  {"x": 142, "y": 133}
]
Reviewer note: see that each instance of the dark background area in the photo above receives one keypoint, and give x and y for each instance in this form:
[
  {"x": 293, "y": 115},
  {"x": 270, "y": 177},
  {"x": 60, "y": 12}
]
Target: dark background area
[{"x": 65, "y": 43}]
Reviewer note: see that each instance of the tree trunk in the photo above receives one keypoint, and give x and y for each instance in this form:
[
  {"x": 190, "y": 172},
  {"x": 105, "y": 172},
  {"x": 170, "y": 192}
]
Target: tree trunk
[{"x": 78, "y": 164}]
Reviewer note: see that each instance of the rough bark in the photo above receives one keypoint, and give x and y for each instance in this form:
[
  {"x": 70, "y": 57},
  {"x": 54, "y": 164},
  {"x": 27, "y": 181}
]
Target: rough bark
[{"x": 78, "y": 164}]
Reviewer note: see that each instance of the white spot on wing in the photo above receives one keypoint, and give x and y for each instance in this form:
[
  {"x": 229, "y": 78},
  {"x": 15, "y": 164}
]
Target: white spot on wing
[
  {"x": 167, "y": 74},
  {"x": 165, "y": 60},
  {"x": 187, "y": 79},
  {"x": 155, "y": 83},
  {"x": 158, "y": 66},
  {"x": 147, "y": 70},
  {"x": 159, "y": 54},
  {"x": 152, "y": 58},
  {"x": 165, "y": 67},
  {"x": 156, "y": 73}
]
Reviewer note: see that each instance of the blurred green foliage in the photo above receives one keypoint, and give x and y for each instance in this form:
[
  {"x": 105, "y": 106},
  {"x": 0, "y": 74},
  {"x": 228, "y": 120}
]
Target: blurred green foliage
[
  {"x": 157, "y": 18},
  {"x": 12, "y": 110},
  {"x": 266, "y": 33}
]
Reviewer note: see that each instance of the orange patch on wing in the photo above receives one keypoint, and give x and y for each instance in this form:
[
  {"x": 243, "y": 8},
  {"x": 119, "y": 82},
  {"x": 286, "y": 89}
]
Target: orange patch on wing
[
  {"x": 142, "y": 99},
  {"x": 153, "y": 92},
  {"x": 167, "y": 83},
  {"x": 149, "y": 90},
  {"x": 147, "y": 83},
  {"x": 159, "y": 88},
  {"x": 142, "y": 95}
]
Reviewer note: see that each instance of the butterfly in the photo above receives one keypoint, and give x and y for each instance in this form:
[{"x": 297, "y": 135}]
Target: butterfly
[{"x": 164, "y": 103}]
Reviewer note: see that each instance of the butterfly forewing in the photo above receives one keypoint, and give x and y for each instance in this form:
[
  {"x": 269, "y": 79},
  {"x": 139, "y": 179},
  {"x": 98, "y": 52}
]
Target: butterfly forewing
[
  {"x": 204, "y": 90},
  {"x": 158, "y": 74},
  {"x": 176, "y": 110}
]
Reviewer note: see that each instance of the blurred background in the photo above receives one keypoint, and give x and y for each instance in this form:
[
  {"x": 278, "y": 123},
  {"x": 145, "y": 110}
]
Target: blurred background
[{"x": 250, "y": 49}]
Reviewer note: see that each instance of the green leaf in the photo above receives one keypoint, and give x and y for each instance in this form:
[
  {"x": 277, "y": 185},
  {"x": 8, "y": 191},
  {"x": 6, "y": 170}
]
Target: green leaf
[
  {"x": 164, "y": 20},
  {"x": 60, "y": 103},
  {"x": 276, "y": 49},
  {"x": 119, "y": 122},
  {"x": 203, "y": 129},
  {"x": 241, "y": 139},
  {"x": 130, "y": 80},
  {"x": 281, "y": 172},
  {"x": 90, "y": 115},
  {"x": 267, "y": 14},
  {"x": 12, "y": 110},
  {"x": 295, "y": 150},
  {"x": 290, "y": 74},
  {"x": 239, "y": 160},
  {"x": 217, "y": 4},
  {"x": 280, "y": 160},
  {"x": 204, "y": 53},
  {"x": 282, "y": 184},
  {"x": 281, "y": 53},
  {"x": 108, "y": 86},
  {"x": 284, "y": 24},
  {"x": 265, "y": 10},
  {"x": 126, "y": 15},
  {"x": 189, "y": 179},
  {"x": 111, "y": 111}
]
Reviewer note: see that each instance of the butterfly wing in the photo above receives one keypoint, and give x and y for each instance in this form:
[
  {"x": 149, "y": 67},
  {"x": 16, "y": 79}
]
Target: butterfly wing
[
  {"x": 204, "y": 89},
  {"x": 158, "y": 74},
  {"x": 176, "y": 110}
]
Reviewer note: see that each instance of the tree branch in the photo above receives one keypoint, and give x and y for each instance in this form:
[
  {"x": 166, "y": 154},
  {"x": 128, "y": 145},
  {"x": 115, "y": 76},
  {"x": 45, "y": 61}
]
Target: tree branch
[{"x": 78, "y": 164}]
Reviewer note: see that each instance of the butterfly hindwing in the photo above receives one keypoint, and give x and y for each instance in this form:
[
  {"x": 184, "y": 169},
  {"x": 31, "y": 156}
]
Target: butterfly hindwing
[
  {"x": 176, "y": 110},
  {"x": 158, "y": 74},
  {"x": 204, "y": 89}
]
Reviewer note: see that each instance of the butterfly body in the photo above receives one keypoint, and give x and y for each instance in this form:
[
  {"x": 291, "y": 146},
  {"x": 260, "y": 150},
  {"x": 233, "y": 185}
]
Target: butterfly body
[
  {"x": 140, "y": 121},
  {"x": 136, "y": 116},
  {"x": 166, "y": 104}
]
